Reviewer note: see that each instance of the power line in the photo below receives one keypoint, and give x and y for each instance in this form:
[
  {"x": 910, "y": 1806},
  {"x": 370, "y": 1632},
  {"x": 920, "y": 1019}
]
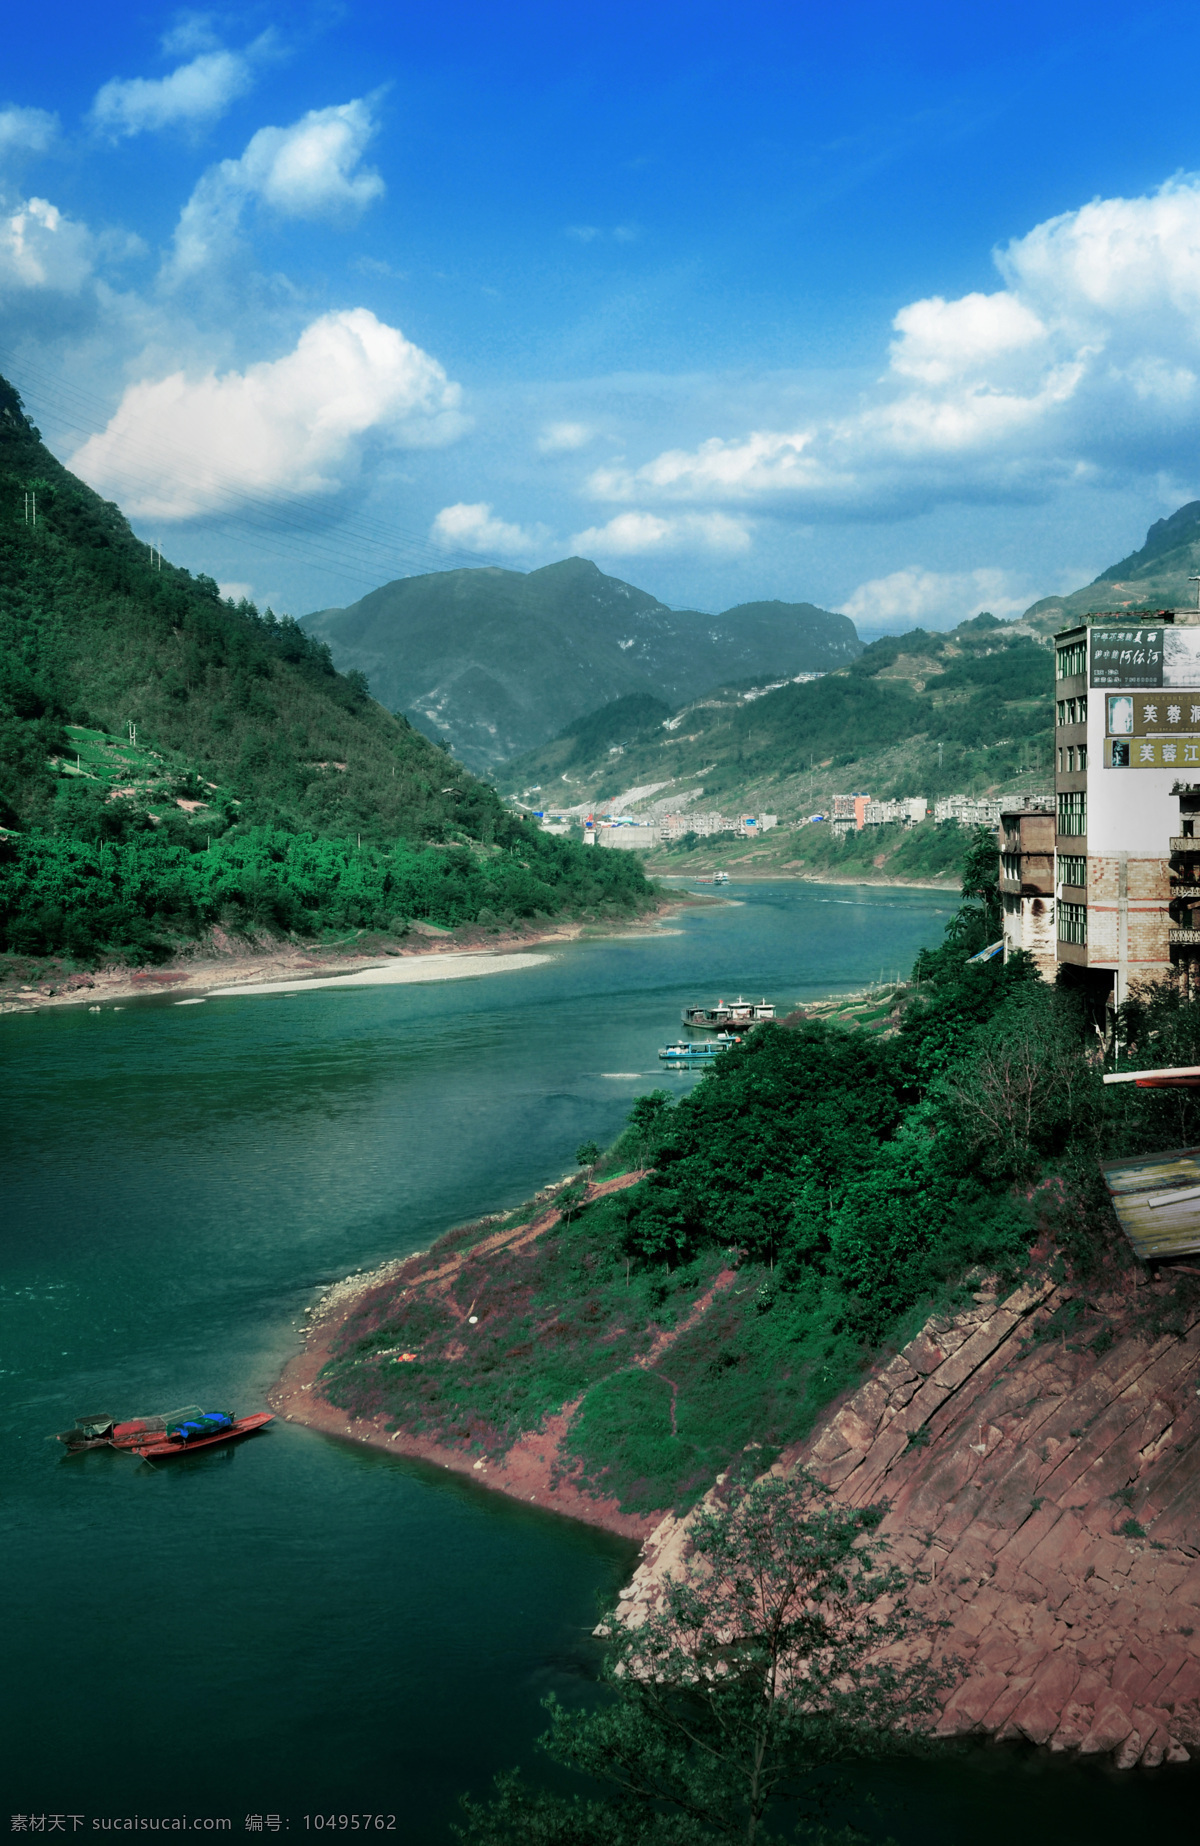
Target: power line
[{"x": 273, "y": 521}]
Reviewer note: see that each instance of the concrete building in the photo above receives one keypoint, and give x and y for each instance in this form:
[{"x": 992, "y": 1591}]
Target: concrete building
[
  {"x": 968, "y": 810},
  {"x": 1027, "y": 883},
  {"x": 1127, "y": 749}
]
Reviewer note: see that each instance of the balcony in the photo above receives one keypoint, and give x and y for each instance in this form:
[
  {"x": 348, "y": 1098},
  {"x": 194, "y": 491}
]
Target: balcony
[
  {"x": 1187, "y": 937},
  {"x": 1185, "y": 843}
]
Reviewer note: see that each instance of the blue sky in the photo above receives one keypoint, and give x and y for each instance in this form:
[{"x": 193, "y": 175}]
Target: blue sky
[{"x": 891, "y": 308}]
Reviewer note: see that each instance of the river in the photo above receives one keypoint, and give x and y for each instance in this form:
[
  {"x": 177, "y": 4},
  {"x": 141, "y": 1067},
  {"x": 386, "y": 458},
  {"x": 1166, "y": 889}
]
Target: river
[{"x": 296, "y": 1626}]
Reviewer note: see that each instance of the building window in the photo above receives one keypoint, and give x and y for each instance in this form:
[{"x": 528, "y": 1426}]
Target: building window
[
  {"x": 1083, "y": 711},
  {"x": 1072, "y": 812},
  {"x": 1010, "y": 865},
  {"x": 1072, "y": 923},
  {"x": 1072, "y": 869},
  {"x": 1082, "y": 756},
  {"x": 1060, "y": 759},
  {"x": 1061, "y": 711},
  {"x": 1070, "y": 759},
  {"x": 1071, "y": 711},
  {"x": 1072, "y": 659}
]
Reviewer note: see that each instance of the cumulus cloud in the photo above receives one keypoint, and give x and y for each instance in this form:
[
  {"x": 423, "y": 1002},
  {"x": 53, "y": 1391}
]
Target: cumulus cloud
[
  {"x": 917, "y": 598},
  {"x": 940, "y": 339},
  {"x": 464, "y": 527},
  {"x": 310, "y": 171},
  {"x": 29, "y": 131},
  {"x": 192, "y": 94},
  {"x": 1085, "y": 365},
  {"x": 40, "y": 249},
  {"x": 628, "y": 534},
  {"x": 181, "y": 447},
  {"x": 557, "y": 437}
]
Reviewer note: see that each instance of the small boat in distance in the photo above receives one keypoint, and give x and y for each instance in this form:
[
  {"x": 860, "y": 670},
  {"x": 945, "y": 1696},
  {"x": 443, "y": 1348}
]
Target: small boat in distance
[
  {"x": 178, "y": 1432},
  {"x": 727, "y": 1013}
]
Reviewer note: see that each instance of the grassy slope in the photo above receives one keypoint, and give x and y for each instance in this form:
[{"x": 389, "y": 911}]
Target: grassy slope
[
  {"x": 921, "y": 714},
  {"x": 563, "y": 1319}
]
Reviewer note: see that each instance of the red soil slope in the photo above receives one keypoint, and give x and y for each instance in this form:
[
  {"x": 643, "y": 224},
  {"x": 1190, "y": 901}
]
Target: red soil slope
[{"x": 1054, "y": 1497}]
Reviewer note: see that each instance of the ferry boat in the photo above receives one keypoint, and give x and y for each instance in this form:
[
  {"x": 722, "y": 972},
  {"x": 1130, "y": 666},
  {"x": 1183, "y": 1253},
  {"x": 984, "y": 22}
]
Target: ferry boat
[
  {"x": 728, "y": 1013},
  {"x": 685, "y": 1052},
  {"x": 177, "y": 1432}
]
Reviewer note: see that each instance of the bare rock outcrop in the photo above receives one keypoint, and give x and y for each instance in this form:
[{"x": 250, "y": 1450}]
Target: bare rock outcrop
[{"x": 1050, "y": 1491}]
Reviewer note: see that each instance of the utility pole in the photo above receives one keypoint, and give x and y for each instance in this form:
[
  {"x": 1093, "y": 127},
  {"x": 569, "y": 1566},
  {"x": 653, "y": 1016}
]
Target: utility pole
[{"x": 1196, "y": 581}]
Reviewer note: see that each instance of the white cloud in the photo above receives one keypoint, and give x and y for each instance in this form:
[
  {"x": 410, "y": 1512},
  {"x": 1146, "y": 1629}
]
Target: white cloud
[
  {"x": 40, "y": 249},
  {"x": 237, "y": 592},
  {"x": 28, "y": 131},
  {"x": 629, "y": 534},
  {"x": 557, "y": 437},
  {"x": 474, "y": 528},
  {"x": 920, "y": 598},
  {"x": 1085, "y": 366},
  {"x": 181, "y": 447},
  {"x": 310, "y": 170},
  {"x": 947, "y": 339},
  {"x": 191, "y": 94}
]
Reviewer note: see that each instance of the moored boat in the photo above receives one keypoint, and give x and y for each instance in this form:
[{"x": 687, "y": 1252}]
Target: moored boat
[
  {"x": 728, "y": 1013},
  {"x": 154, "y": 1438},
  {"x": 686, "y": 1052}
]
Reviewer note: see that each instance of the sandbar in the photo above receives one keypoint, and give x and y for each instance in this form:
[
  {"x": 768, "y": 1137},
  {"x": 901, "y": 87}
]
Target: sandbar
[{"x": 444, "y": 967}]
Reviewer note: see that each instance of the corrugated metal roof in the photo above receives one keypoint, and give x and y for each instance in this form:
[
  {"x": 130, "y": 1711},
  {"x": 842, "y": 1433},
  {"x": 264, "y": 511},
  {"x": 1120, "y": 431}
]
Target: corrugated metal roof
[{"x": 1157, "y": 1199}]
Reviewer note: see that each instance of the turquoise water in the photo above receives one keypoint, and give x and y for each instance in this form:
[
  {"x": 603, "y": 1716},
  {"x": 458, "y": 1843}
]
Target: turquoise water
[{"x": 297, "y": 1626}]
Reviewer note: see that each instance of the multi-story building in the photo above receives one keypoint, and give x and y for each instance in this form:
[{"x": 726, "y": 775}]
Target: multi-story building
[
  {"x": 1127, "y": 746},
  {"x": 1027, "y": 883}
]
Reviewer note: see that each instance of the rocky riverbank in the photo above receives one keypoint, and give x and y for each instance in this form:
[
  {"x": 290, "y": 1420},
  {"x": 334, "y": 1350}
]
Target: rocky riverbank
[{"x": 1040, "y": 1456}]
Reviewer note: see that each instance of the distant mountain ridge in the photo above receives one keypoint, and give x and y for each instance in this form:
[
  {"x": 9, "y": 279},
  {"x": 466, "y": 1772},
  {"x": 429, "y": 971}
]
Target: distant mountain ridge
[
  {"x": 1153, "y": 577},
  {"x": 498, "y": 661}
]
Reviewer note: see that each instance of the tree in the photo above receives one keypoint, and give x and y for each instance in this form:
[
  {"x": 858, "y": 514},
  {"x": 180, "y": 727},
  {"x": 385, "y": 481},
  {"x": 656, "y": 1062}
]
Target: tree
[
  {"x": 586, "y": 1156},
  {"x": 787, "y": 1646}
]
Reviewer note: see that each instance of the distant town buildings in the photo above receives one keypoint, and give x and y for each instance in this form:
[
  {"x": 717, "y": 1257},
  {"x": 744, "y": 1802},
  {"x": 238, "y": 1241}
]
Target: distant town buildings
[{"x": 968, "y": 810}]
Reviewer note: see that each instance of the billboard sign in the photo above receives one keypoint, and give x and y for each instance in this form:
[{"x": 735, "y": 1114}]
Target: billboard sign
[{"x": 1155, "y": 657}]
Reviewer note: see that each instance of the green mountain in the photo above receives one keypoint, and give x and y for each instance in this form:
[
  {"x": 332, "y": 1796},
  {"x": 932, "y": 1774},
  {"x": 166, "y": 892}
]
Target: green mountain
[
  {"x": 498, "y": 661},
  {"x": 918, "y": 714},
  {"x": 168, "y": 760},
  {"x": 1155, "y": 577}
]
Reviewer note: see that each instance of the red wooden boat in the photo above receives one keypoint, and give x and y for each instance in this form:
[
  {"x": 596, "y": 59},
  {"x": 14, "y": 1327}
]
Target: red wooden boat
[{"x": 155, "y": 1438}]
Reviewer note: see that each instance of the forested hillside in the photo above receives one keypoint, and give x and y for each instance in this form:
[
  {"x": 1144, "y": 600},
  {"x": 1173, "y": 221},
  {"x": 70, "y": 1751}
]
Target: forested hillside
[
  {"x": 915, "y": 714},
  {"x": 258, "y": 785},
  {"x": 498, "y": 661}
]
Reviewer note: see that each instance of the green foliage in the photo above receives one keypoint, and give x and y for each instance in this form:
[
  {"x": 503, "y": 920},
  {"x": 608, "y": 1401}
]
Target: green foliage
[
  {"x": 239, "y": 711},
  {"x": 775, "y": 1656},
  {"x": 119, "y": 878}
]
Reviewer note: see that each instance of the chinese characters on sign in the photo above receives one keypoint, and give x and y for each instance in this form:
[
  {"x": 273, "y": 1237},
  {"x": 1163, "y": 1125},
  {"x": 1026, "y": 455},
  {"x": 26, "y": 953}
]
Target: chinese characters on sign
[
  {"x": 1153, "y": 753},
  {"x": 1127, "y": 656},
  {"x": 1141, "y": 714}
]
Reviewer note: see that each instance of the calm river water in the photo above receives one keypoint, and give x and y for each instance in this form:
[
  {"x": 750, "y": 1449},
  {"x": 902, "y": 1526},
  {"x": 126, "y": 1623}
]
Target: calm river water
[{"x": 296, "y": 1626}]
